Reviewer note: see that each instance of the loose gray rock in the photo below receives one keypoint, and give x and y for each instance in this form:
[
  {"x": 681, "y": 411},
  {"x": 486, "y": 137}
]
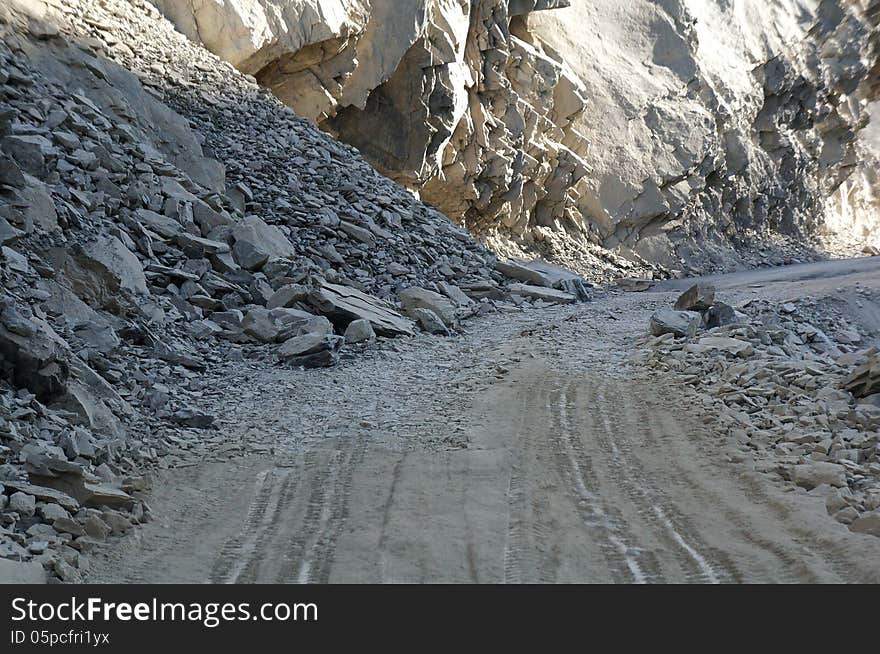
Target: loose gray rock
[
  {"x": 194, "y": 418},
  {"x": 429, "y": 321},
  {"x": 344, "y": 304},
  {"x": 720, "y": 314},
  {"x": 540, "y": 293},
  {"x": 810, "y": 475},
  {"x": 21, "y": 572},
  {"x": 678, "y": 323},
  {"x": 419, "y": 298},
  {"x": 256, "y": 242},
  {"x": 359, "y": 331},
  {"x": 698, "y": 297},
  {"x": 311, "y": 350},
  {"x": 23, "y": 504},
  {"x": 867, "y": 523},
  {"x": 522, "y": 273}
]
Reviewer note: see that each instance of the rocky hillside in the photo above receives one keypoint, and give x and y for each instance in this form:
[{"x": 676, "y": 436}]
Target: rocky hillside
[
  {"x": 682, "y": 133},
  {"x": 161, "y": 214}
]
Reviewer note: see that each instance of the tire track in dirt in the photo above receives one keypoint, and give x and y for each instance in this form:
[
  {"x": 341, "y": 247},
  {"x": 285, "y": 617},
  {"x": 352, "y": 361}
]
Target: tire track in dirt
[
  {"x": 310, "y": 540},
  {"x": 697, "y": 561},
  {"x": 627, "y": 560},
  {"x": 526, "y": 532},
  {"x": 240, "y": 558}
]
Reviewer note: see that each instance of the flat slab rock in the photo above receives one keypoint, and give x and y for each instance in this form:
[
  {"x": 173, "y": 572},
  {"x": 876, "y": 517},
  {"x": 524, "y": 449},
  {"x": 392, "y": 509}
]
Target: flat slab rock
[
  {"x": 85, "y": 492},
  {"x": 43, "y": 493},
  {"x": 542, "y": 293},
  {"x": 351, "y": 304},
  {"x": 522, "y": 272},
  {"x": 734, "y": 346}
]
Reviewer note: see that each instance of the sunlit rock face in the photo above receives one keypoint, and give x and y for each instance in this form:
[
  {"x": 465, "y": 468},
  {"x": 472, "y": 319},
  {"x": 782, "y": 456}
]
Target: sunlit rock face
[{"x": 675, "y": 131}]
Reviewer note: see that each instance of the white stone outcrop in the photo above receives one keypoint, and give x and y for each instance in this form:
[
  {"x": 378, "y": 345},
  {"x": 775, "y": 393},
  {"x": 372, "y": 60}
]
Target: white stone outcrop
[{"x": 672, "y": 131}]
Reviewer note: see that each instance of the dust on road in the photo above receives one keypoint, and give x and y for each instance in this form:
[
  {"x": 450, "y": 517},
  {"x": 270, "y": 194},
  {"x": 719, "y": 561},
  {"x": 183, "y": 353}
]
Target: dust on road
[{"x": 528, "y": 449}]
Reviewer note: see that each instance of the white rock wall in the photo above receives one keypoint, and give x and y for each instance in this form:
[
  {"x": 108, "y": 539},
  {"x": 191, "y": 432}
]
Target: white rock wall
[{"x": 676, "y": 131}]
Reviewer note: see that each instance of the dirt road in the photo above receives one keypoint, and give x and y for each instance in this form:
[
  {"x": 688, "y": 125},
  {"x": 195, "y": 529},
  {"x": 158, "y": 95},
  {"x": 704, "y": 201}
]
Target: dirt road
[{"x": 527, "y": 450}]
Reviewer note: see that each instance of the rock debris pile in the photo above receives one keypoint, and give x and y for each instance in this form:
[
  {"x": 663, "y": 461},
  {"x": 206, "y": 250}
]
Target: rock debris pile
[
  {"x": 795, "y": 385},
  {"x": 159, "y": 214}
]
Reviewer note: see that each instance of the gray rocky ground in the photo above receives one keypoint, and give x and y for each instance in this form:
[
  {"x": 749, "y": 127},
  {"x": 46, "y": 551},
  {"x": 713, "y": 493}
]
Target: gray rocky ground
[{"x": 538, "y": 446}]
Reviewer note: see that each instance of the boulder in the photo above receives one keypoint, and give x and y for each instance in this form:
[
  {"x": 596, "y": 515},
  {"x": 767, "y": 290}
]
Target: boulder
[
  {"x": 455, "y": 294},
  {"x": 255, "y": 242},
  {"x": 22, "y": 503},
  {"x": 21, "y": 572},
  {"x": 678, "y": 323},
  {"x": 195, "y": 418},
  {"x": 343, "y": 304},
  {"x": 29, "y": 151},
  {"x": 260, "y": 326},
  {"x": 811, "y": 475},
  {"x": 43, "y": 493},
  {"x": 867, "y": 523},
  {"x": 698, "y": 297},
  {"x": 156, "y": 222},
  {"x": 420, "y": 298},
  {"x": 36, "y": 361},
  {"x": 84, "y": 490},
  {"x": 10, "y": 172},
  {"x": 719, "y": 315},
  {"x": 100, "y": 337},
  {"x": 865, "y": 379},
  {"x": 311, "y": 350},
  {"x": 732, "y": 346},
  {"x": 522, "y": 273},
  {"x": 428, "y": 321},
  {"x": 575, "y": 286},
  {"x": 200, "y": 246},
  {"x": 119, "y": 262},
  {"x": 634, "y": 284},
  {"x": 288, "y": 295},
  {"x": 359, "y": 331},
  {"x": 232, "y": 318}
]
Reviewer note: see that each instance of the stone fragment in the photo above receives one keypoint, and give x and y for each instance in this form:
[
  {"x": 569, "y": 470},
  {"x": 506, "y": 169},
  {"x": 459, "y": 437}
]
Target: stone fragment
[
  {"x": 428, "y": 321},
  {"x": 419, "y": 298},
  {"x": 359, "y": 331},
  {"x": 21, "y": 572},
  {"x": 677, "y": 323},
  {"x": 541, "y": 293},
  {"x": 287, "y": 295},
  {"x": 719, "y": 315},
  {"x": 343, "y": 304},
  {"x": 256, "y": 242},
  {"x": 23, "y": 504},
  {"x": 698, "y": 297},
  {"x": 190, "y": 417},
  {"x": 867, "y": 523},
  {"x": 732, "y": 346},
  {"x": 810, "y": 475},
  {"x": 311, "y": 350},
  {"x": 44, "y": 494},
  {"x": 865, "y": 379},
  {"x": 522, "y": 273}
]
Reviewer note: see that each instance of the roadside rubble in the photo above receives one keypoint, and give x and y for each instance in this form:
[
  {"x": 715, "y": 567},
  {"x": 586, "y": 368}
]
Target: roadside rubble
[
  {"x": 161, "y": 214},
  {"x": 793, "y": 384}
]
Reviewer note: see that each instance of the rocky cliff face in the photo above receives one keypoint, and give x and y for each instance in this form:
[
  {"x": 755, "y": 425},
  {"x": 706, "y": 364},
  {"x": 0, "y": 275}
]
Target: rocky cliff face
[{"x": 681, "y": 132}]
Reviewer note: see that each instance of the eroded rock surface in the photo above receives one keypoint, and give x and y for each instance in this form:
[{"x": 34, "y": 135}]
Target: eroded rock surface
[{"x": 678, "y": 133}]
